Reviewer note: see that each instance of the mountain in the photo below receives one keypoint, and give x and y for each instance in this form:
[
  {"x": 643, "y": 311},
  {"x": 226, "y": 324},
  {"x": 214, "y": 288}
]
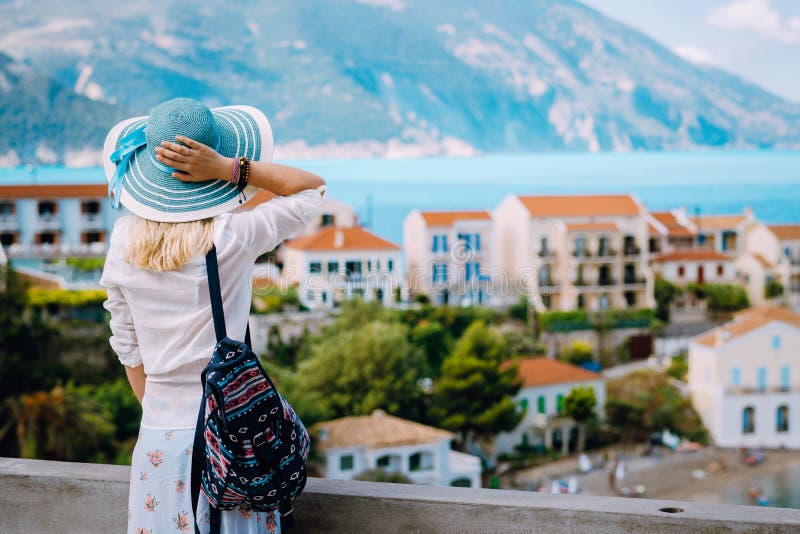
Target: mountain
[
  {"x": 43, "y": 121},
  {"x": 347, "y": 78}
]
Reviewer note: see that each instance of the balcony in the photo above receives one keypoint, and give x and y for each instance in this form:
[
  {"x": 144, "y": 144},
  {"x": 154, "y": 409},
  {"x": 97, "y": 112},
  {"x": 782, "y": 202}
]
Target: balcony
[
  {"x": 48, "y": 222},
  {"x": 606, "y": 282},
  {"x": 635, "y": 281},
  {"x": 631, "y": 250},
  {"x": 41, "y": 496},
  {"x": 547, "y": 254},
  {"x": 9, "y": 222},
  {"x": 92, "y": 221},
  {"x": 46, "y": 250},
  {"x": 755, "y": 390}
]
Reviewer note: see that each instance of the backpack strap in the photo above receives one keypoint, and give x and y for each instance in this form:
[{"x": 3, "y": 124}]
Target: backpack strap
[
  {"x": 198, "y": 454},
  {"x": 214, "y": 290}
]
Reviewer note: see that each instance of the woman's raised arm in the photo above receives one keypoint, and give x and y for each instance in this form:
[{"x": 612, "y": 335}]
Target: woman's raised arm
[{"x": 196, "y": 162}]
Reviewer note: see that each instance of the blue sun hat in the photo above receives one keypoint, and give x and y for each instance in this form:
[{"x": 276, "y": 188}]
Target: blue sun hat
[{"x": 144, "y": 185}]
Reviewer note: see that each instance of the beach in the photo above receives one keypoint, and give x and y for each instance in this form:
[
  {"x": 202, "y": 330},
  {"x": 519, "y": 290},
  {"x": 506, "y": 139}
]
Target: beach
[{"x": 708, "y": 475}]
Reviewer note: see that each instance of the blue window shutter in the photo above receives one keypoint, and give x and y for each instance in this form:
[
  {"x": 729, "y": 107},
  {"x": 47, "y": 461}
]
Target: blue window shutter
[
  {"x": 444, "y": 242},
  {"x": 736, "y": 376},
  {"x": 785, "y": 377},
  {"x": 762, "y": 378}
]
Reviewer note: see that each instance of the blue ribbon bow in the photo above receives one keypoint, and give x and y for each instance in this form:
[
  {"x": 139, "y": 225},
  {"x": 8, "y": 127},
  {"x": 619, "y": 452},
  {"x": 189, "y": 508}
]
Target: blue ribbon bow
[{"x": 121, "y": 157}]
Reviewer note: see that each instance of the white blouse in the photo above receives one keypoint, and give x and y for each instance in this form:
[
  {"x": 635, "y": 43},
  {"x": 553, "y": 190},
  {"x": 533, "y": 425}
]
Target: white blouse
[{"x": 163, "y": 319}]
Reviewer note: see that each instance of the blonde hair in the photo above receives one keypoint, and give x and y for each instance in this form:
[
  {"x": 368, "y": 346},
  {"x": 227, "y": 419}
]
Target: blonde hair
[{"x": 163, "y": 246}]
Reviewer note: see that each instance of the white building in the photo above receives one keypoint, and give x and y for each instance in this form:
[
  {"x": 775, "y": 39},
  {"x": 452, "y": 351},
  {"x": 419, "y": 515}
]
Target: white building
[
  {"x": 353, "y": 445},
  {"x": 335, "y": 264},
  {"x": 699, "y": 266},
  {"x": 744, "y": 379},
  {"x": 723, "y": 233},
  {"x": 670, "y": 231},
  {"x": 45, "y": 221},
  {"x": 779, "y": 246},
  {"x": 545, "y": 383},
  {"x": 576, "y": 251},
  {"x": 448, "y": 255}
]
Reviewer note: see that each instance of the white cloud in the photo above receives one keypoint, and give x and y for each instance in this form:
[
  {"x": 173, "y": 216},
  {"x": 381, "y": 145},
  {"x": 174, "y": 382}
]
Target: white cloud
[
  {"x": 757, "y": 16},
  {"x": 694, "y": 54},
  {"x": 394, "y": 5},
  {"x": 449, "y": 29}
]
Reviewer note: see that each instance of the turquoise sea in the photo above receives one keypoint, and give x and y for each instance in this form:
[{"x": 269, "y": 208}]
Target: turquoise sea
[{"x": 385, "y": 191}]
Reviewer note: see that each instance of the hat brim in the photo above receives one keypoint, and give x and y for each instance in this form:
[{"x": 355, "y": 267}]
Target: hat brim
[{"x": 150, "y": 191}]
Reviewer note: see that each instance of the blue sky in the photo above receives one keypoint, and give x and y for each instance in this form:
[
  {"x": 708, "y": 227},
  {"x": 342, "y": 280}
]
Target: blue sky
[{"x": 756, "y": 39}]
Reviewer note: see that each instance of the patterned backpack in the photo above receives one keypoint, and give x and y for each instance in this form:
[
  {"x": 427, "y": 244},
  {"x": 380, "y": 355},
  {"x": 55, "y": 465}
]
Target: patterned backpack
[{"x": 250, "y": 448}]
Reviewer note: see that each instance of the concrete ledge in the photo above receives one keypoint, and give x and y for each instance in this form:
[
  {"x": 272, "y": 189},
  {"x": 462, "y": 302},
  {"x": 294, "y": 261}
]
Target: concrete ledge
[{"x": 38, "y": 496}]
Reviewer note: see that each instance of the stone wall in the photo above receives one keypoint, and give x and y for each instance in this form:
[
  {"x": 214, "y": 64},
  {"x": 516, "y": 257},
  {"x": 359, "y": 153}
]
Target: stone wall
[{"x": 47, "y": 497}]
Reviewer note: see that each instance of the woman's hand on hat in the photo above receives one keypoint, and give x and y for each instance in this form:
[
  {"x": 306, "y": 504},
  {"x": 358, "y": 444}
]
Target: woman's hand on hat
[{"x": 193, "y": 161}]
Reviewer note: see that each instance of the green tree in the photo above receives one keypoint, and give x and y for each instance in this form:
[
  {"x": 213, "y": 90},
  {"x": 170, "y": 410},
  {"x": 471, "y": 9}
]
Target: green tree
[
  {"x": 579, "y": 404},
  {"x": 434, "y": 341},
  {"x": 580, "y": 351},
  {"x": 773, "y": 289},
  {"x": 28, "y": 352},
  {"x": 475, "y": 394},
  {"x": 355, "y": 371},
  {"x": 62, "y": 424},
  {"x": 644, "y": 401},
  {"x": 665, "y": 292},
  {"x": 722, "y": 297}
]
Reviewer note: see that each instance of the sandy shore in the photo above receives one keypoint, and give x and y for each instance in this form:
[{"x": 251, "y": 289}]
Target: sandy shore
[{"x": 671, "y": 476}]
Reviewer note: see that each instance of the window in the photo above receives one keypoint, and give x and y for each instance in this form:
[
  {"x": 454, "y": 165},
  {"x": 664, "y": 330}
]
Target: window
[
  {"x": 9, "y": 208},
  {"x": 603, "y": 301},
  {"x": 440, "y": 243},
  {"x": 8, "y": 238},
  {"x": 544, "y": 276},
  {"x": 389, "y": 462},
  {"x": 559, "y": 403},
  {"x": 581, "y": 302},
  {"x": 782, "y": 418},
  {"x": 543, "y": 247},
  {"x": 353, "y": 267},
  {"x": 748, "y": 420},
  {"x": 439, "y": 273},
  {"x": 315, "y": 267},
  {"x": 540, "y": 404},
  {"x": 736, "y": 376},
  {"x": 786, "y": 383},
  {"x": 630, "y": 299},
  {"x": 92, "y": 237},
  {"x": 461, "y": 483},
  {"x": 47, "y": 208},
  {"x": 420, "y": 461},
  {"x": 776, "y": 342},
  {"x": 90, "y": 207},
  {"x": 523, "y": 404},
  {"x": 580, "y": 246},
  {"x": 681, "y": 271},
  {"x": 720, "y": 270},
  {"x": 346, "y": 462},
  {"x": 472, "y": 270},
  {"x": 390, "y": 265},
  {"x": 327, "y": 219},
  {"x": 333, "y": 267},
  {"x": 762, "y": 378}
]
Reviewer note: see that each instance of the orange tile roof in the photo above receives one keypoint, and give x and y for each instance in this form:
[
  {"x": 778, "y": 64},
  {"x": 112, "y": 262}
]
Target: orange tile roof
[
  {"x": 673, "y": 226},
  {"x": 448, "y": 218},
  {"x": 580, "y": 205},
  {"x": 692, "y": 254},
  {"x": 354, "y": 238},
  {"x": 747, "y": 321},
  {"x": 592, "y": 227},
  {"x": 786, "y": 231},
  {"x": 718, "y": 222},
  {"x": 544, "y": 372},
  {"x": 652, "y": 230},
  {"x": 54, "y": 191},
  {"x": 378, "y": 430}
]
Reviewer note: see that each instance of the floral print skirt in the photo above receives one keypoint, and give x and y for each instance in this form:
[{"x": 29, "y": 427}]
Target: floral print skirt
[{"x": 160, "y": 495}]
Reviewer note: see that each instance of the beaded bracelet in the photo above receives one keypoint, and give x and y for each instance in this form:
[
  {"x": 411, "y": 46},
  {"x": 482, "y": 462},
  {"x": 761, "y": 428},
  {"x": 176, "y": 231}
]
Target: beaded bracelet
[
  {"x": 235, "y": 175},
  {"x": 244, "y": 173}
]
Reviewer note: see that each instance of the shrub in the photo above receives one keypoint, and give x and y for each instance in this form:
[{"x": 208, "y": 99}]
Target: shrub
[
  {"x": 721, "y": 297},
  {"x": 580, "y": 351},
  {"x": 773, "y": 289}
]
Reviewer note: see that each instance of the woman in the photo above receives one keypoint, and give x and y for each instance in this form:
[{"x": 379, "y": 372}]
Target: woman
[{"x": 181, "y": 173}]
